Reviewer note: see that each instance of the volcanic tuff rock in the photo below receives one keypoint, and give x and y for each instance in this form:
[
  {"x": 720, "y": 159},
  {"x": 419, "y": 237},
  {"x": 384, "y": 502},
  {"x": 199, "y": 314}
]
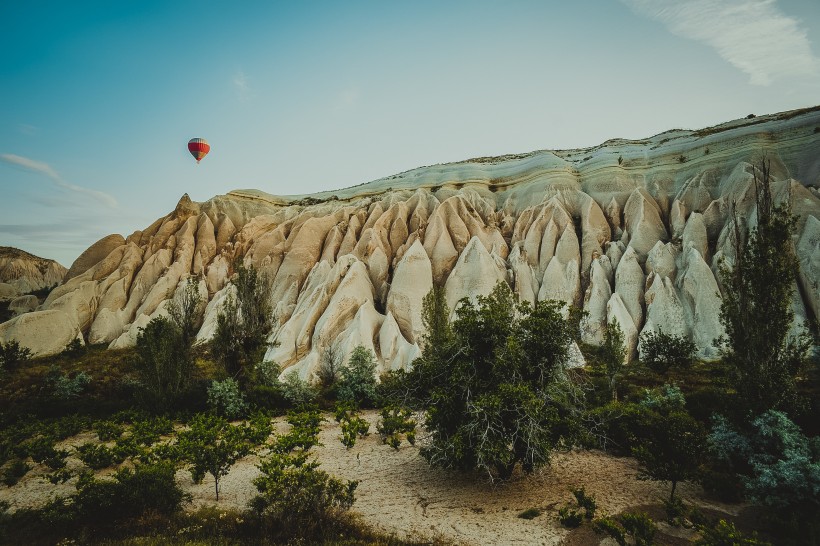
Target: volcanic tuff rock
[
  {"x": 633, "y": 231},
  {"x": 22, "y": 273}
]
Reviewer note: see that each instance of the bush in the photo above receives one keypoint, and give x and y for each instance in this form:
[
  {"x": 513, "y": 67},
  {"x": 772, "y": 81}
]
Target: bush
[
  {"x": 75, "y": 349},
  {"x": 726, "y": 534},
  {"x": 15, "y": 470},
  {"x": 585, "y": 501},
  {"x": 352, "y": 424},
  {"x": 394, "y": 423},
  {"x": 266, "y": 373},
  {"x": 148, "y": 431},
  {"x": 297, "y": 392},
  {"x": 493, "y": 383},
  {"x": 661, "y": 352},
  {"x": 132, "y": 493},
  {"x": 357, "y": 384},
  {"x": 569, "y": 517},
  {"x": 97, "y": 456},
  {"x": 64, "y": 387},
  {"x": 639, "y": 527},
  {"x": 293, "y": 493},
  {"x": 530, "y": 513},
  {"x": 225, "y": 398},
  {"x": 108, "y": 430},
  {"x": 12, "y": 355}
]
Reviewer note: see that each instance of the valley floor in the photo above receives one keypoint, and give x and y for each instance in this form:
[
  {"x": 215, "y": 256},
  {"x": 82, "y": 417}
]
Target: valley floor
[{"x": 400, "y": 494}]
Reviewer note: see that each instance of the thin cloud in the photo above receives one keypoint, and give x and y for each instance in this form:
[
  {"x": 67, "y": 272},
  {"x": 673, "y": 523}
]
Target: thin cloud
[
  {"x": 752, "y": 35},
  {"x": 46, "y": 170},
  {"x": 28, "y": 130},
  {"x": 240, "y": 82}
]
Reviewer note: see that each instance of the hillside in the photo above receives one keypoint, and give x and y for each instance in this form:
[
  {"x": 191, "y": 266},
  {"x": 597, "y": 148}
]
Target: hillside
[{"x": 631, "y": 230}]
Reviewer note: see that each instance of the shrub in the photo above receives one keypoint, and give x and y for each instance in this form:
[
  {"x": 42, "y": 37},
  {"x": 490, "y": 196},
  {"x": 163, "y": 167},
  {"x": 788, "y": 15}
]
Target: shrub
[
  {"x": 293, "y": 492},
  {"x": 530, "y": 513},
  {"x": 12, "y": 355},
  {"x": 297, "y": 392},
  {"x": 64, "y": 387},
  {"x": 266, "y": 373},
  {"x": 492, "y": 383},
  {"x": 639, "y": 527},
  {"x": 395, "y": 422},
  {"x": 133, "y": 492},
  {"x": 357, "y": 384},
  {"x": 225, "y": 398},
  {"x": 99, "y": 456},
  {"x": 108, "y": 430},
  {"x": 569, "y": 517},
  {"x": 75, "y": 349},
  {"x": 331, "y": 359},
  {"x": 664, "y": 399},
  {"x": 148, "y": 431},
  {"x": 352, "y": 424},
  {"x": 585, "y": 501},
  {"x": 726, "y": 534},
  {"x": 662, "y": 352},
  {"x": 15, "y": 470},
  {"x": 613, "y": 354}
]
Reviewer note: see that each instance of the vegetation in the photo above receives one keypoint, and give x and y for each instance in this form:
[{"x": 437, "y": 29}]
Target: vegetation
[
  {"x": 492, "y": 383},
  {"x": 211, "y": 445},
  {"x": 756, "y": 310},
  {"x": 638, "y": 528},
  {"x": 243, "y": 325},
  {"x": 395, "y": 422},
  {"x": 357, "y": 384},
  {"x": 613, "y": 354},
  {"x": 661, "y": 352}
]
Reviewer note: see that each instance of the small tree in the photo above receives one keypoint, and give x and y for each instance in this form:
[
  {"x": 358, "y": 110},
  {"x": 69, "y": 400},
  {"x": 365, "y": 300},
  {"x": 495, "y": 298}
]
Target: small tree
[
  {"x": 163, "y": 362},
  {"x": 331, "y": 359},
  {"x": 613, "y": 354},
  {"x": 672, "y": 450},
  {"x": 490, "y": 383},
  {"x": 186, "y": 313},
  {"x": 662, "y": 352},
  {"x": 358, "y": 382},
  {"x": 243, "y": 325},
  {"x": 757, "y": 306},
  {"x": 212, "y": 445}
]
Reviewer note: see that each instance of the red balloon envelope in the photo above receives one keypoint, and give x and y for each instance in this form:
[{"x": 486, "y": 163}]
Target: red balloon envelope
[{"x": 199, "y": 148}]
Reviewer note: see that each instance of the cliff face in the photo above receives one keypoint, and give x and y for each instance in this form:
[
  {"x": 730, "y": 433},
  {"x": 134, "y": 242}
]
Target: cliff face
[{"x": 631, "y": 230}]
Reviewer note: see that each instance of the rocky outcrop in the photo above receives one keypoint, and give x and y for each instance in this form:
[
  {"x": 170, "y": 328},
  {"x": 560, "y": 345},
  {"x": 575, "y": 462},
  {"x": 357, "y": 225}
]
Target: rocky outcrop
[
  {"x": 637, "y": 242},
  {"x": 23, "y": 273},
  {"x": 94, "y": 254}
]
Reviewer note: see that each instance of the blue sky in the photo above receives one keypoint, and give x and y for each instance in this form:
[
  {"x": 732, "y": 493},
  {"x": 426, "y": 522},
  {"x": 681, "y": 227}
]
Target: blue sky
[{"x": 98, "y": 99}]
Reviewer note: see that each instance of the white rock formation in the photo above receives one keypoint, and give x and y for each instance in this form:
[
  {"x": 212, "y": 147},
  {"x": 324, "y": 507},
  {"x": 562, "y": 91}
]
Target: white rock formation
[{"x": 632, "y": 243}]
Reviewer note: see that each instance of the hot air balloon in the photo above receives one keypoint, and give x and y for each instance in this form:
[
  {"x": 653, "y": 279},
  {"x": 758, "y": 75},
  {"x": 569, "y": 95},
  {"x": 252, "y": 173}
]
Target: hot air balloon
[{"x": 199, "y": 148}]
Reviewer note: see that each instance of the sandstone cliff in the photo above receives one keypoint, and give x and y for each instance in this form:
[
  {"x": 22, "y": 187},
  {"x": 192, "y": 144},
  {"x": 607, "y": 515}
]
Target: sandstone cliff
[{"x": 630, "y": 230}]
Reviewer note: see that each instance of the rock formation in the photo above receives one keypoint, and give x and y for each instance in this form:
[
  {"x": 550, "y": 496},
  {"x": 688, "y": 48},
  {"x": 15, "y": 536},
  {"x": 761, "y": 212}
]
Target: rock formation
[
  {"x": 631, "y": 231},
  {"x": 22, "y": 273}
]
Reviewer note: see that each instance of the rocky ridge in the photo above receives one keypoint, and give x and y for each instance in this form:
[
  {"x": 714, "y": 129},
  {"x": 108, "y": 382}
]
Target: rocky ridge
[{"x": 629, "y": 230}]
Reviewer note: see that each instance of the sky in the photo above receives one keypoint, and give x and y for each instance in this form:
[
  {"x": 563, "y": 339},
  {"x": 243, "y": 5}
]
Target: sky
[{"x": 99, "y": 99}]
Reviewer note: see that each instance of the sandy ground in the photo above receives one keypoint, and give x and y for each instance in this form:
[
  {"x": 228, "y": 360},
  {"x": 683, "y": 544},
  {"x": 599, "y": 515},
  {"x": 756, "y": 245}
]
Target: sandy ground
[{"x": 399, "y": 493}]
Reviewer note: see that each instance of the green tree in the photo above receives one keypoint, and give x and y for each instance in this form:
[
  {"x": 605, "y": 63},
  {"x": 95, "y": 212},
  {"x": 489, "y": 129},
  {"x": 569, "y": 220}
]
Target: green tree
[
  {"x": 243, "y": 325},
  {"x": 211, "y": 445},
  {"x": 491, "y": 383},
  {"x": 672, "y": 449},
  {"x": 357, "y": 384},
  {"x": 163, "y": 367},
  {"x": 165, "y": 347},
  {"x": 756, "y": 310},
  {"x": 12, "y": 355},
  {"x": 662, "y": 352},
  {"x": 613, "y": 354}
]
